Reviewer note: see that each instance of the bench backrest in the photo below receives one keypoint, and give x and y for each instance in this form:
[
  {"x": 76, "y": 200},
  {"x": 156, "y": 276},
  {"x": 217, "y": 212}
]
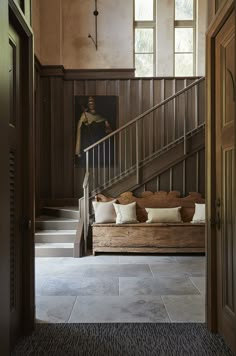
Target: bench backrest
[{"x": 159, "y": 199}]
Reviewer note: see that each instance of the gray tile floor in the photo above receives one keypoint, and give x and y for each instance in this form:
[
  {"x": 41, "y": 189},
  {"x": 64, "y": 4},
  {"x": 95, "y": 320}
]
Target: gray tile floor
[{"x": 124, "y": 288}]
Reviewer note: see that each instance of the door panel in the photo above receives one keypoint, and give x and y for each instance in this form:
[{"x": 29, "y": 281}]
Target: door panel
[
  {"x": 16, "y": 188},
  {"x": 225, "y": 176}
]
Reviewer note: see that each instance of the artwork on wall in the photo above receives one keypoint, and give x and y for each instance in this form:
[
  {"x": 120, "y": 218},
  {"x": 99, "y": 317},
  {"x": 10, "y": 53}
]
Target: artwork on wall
[{"x": 95, "y": 118}]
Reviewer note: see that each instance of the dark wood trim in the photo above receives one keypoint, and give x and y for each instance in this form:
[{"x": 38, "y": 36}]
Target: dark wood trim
[
  {"x": 16, "y": 15},
  {"x": 4, "y": 185},
  {"x": 93, "y": 74},
  {"x": 73, "y": 74},
  {"x": 17, "y": 18},
  {"x": 214, "y": 28}
]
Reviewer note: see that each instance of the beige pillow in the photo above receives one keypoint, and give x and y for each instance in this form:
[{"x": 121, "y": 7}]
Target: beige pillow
[
  {"x": 104, "y": 212},
  {"x": 200, "y": 214},
  {"x": 163, "y": 215},
  {"x": 125, "y": 213}
]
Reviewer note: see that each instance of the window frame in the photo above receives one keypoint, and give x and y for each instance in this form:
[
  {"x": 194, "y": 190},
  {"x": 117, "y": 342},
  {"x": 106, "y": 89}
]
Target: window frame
[
  {"x": 186, "y": 24},
  {"x": 146, "y": 24}
]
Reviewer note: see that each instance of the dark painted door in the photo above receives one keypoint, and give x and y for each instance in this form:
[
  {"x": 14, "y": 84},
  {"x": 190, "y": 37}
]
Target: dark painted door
[{"x": 225, "y": 180}]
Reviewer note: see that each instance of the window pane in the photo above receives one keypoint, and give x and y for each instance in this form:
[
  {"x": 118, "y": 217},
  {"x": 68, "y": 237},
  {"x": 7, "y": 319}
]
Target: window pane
[
  {"x": 144, "y": 65},
  {"x": 143, "y": 10},
  {"x": 184, "y": 9},
  {"x": 143, "y": 40},
  {"x": 183, "y": 65},
  {"x": 183, "y": 39}
]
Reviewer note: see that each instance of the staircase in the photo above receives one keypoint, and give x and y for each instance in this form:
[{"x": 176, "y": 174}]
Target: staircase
[
  {"x": 56, "y": 232},
  {"x": 130, "y": 156}
]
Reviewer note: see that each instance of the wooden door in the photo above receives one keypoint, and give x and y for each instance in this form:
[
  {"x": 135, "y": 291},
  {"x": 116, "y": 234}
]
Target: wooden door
[
  {"x": 225, "y": 180},
  {"x": 21, "y": 169},
  {"x": 15, "y": 180}
]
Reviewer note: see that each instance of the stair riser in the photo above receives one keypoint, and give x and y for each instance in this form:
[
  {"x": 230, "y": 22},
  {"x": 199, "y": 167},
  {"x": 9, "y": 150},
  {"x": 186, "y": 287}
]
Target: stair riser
[
  {"x": 56, "y": 225},
  {"x": 54, "y": 252},
  {"x": 62, "y": 238},
  {"x": 68, "y": 214}
]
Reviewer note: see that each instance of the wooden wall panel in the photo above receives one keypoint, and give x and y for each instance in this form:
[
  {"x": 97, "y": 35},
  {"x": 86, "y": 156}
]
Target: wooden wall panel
[
  {"x": 190, "y": 174},
  {"x": 69, "y": 131},
  {"x": 44, "y": 167},
  {"x": 57, "y": 137},
  {"x": 58, "y": 177}
]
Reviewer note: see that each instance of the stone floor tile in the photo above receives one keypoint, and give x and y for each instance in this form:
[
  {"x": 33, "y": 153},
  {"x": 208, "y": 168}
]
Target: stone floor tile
[
  {"x": 200, "y": 283},
  {"x": 188, "y": 308},
  {"x": 157, "y": 286},
  {"x": 54, "y": 309},
  {"x": 74, "y": 286},
  {"x": 118, "y": 309}
]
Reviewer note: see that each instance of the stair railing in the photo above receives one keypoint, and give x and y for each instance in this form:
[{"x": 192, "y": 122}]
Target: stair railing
[{"x": 126, "y": 149}]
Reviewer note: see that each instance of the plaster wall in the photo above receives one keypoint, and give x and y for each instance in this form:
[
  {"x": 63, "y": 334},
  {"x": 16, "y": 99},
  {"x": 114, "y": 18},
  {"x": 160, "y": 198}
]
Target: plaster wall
[
  {"x": 61, "y": 34},
  {"x": 51, "y": 32},
  {"x": 36, "y": 26},
  {"x": 115, "y": 34}
]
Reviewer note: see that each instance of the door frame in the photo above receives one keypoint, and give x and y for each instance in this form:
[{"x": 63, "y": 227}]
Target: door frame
[
  {"x": 19, "y": 22},
  {"x": 4, "y": 184},
  {"x": 211, "y": 298}
]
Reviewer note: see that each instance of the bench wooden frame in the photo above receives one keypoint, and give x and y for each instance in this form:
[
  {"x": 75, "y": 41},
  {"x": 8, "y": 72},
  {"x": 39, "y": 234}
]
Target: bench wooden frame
[{"x": 155, "y": 237}]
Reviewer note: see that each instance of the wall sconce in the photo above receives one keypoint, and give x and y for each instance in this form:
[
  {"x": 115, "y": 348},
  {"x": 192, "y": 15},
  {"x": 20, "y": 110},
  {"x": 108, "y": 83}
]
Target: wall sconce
[{"x": 95, "y": 41}]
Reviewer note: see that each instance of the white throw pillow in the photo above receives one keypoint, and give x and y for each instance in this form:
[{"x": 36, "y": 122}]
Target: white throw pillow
[
  {"x": 104, "y": 212},
  {"x": 125, "y": 214},
  {"x": 163, "y": 215},
  {"x": 200, "y": 214}
]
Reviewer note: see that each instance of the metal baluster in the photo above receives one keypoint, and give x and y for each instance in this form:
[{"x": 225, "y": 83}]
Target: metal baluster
[
  {"x": 185, "y": 118},
  {"x": 109, "y": 166},
  {"x": 131, "y": 147},
  {"x": 125, "y": 133},
  {"x": 137, "y": 152},
  {"x": 114, "y": 170},
  {"x": 120, "y": 151},
  {"x": 196, "y": 106},
  {"x": 98, "y": 169},
  {"x": 104, "y": 164},
  {"x": 94, "y": 178}
]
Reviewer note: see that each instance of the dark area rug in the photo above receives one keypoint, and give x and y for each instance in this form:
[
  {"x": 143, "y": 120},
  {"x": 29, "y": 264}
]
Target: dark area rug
[{"x": 122, "y": 339}]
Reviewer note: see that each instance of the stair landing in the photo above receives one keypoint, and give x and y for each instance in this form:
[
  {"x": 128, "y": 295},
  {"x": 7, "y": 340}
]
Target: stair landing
[{"x": 56, "y": 232}]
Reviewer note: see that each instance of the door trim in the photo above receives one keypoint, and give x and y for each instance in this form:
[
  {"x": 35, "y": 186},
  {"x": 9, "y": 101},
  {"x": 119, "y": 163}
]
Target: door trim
[
  {"x": 211, "y": 301},
  {"x": 4, "y": 185},
  {"x": 20, "y": 24}
]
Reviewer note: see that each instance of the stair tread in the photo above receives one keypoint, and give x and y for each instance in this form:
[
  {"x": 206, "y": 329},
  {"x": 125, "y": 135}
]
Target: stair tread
[
  {"x": 64, "y": 208},
  {"x": 55, "y": 232},
  {"x": 54, "y": 218},
  {"x": 55, "y": 245}
]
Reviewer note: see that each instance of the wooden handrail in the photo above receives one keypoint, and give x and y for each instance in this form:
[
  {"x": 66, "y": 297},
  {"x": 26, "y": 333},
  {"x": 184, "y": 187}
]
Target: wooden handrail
[{"x": 149, "y": 111}]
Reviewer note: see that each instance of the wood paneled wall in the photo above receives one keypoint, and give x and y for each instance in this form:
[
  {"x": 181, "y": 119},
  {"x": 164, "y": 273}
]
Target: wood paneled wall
[
  {"x": 186, "y": 176},
  {"x": 59, "y": 181}
]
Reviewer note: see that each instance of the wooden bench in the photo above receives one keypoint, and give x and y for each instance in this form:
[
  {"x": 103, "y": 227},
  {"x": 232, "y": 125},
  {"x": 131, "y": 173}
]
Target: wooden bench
[{"x": 155, "y": 237}]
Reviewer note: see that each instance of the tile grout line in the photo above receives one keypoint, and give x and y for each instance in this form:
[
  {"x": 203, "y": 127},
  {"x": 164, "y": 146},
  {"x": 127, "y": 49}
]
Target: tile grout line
[
  {"x": 151, "y": 271},
  {"x": 72, "y": 309},
  {"x": 196, "y": 285},
  {"x": 166, "y": 309}
]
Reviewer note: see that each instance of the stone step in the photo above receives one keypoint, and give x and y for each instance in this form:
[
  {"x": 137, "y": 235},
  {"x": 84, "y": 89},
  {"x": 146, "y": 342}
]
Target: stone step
[
  {"x": 61, "y": 212},
  {"x": 54, "y": 250},
  {"x": 55, "y": 223},
  {"x": 55, "y": 236}
]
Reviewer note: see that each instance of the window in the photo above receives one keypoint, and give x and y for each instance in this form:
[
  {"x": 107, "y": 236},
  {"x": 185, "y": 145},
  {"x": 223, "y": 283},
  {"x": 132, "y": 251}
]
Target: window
[
  {"x": 144, "y": 47},
  {"x": 170, "y": 28},
  {"x": 185, "y": 29}
]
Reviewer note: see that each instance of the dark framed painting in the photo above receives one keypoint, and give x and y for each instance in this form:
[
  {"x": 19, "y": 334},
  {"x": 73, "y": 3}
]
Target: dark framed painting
[{"x": 95, "y": 118}]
